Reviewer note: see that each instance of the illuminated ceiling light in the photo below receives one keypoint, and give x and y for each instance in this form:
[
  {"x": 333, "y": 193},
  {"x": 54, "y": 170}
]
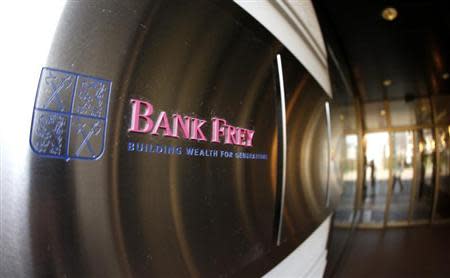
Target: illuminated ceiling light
[
  {"x": 387, "y": 82},
  {"x": 445, "y": 75},
  {"x": 382, "y": 112},
  {"x": 389, "y": 13}
]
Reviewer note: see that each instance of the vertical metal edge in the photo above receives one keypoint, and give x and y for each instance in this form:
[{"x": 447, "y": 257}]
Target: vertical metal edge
[
  {"x": 328, "y": 121},
  {"x": 389, "y": 185},
  {"x": 359, "y": 111},
  {"x": 390, "y": 182},
  {"x": 436, "y": 159},
  {"x": 414, "y": 180},
  {"x": 437, "y": 182},
  {"x": 284, "y": 147}
]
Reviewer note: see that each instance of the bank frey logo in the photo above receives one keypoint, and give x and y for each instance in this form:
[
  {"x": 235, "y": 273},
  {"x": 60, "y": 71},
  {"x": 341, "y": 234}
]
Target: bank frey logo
[
  {"x": 145, "y": 120},
  {"x": 70, "y": 115},
  {"x": 191, "y": 128}
]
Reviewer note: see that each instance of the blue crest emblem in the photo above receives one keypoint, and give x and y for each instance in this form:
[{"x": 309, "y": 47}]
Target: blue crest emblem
[{"x": 70, "y": 115}]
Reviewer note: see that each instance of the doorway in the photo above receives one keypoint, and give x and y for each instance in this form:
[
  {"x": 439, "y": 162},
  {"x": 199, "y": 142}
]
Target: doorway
[
  {"x": 404, "y": 171},
  {"x": 375, "y": 186}
]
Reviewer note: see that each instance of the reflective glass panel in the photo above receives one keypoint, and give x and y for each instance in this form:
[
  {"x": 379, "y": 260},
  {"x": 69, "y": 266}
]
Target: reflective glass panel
[
  {"x": 416, "y": 112},
  {"x": 443, "y": 202},
  {"x": 442, "y": 109},
  {"x": 347, "y": 117},
  {"x": 424, "y": 175},
  {"x": 374, "y": 193},
  {"x": 375, "y": 115},
  {"x": 402, "y": 175},
  {"x": 346, "y": 176}
]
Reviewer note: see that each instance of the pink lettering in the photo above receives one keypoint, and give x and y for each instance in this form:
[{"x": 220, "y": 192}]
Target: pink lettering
[
  {"x": 162, "y": 122},
  {"x": 230, "y": 135},
  {"x": 196, "y": 131},
  {"x": 191, "y": 128},
  {"x": 177, "y": 120},
  {"x": 241, "y": 136},
  {"x": 136, "y": 116},
  {"x": 217, "y": 129},
  {"x": 249, "y": 137}
]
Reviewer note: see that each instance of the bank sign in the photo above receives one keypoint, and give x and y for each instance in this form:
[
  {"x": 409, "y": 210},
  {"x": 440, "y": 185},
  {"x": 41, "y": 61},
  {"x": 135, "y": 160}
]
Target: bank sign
[
  {"x": 143, "y": 120},
  {"x": 70, "y": 115},
  {"x": 70, "y": 118}
]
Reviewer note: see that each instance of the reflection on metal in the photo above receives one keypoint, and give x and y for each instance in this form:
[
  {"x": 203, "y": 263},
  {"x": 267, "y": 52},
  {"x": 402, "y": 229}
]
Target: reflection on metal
[
  {"x": 291, "y": 22},
  {"x": 131, "y": 214},
  {"x": 328, "y": 121},
  {"x": 284, "y": 146},
  {"x": 359, "y": 111}
]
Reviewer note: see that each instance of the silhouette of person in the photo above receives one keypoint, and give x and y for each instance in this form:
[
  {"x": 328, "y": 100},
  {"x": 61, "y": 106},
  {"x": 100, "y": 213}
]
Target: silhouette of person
[
  {"x": 397, "y": 176},
  {"x": 372, "y": 177},
  {"x": 422, "y": 164},
  {"x": 364, "y": 178}
]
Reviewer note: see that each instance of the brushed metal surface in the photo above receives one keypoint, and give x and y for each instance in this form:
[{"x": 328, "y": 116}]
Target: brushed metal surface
[{"x": 133, "y": 214}]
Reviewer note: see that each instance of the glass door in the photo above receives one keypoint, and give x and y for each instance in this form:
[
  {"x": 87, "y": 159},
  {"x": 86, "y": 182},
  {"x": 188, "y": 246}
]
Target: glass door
[
  {"x": 425, "y": 176},
  {"x": 346, "y": 177},
  {"x": 402, "y": 177},
  {"x": 443, "y": 183},
  {"x": 374, "y": 193}
]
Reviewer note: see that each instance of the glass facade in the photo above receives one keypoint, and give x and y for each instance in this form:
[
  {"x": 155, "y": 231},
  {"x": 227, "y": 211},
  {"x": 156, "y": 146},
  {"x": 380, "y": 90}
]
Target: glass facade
[
  {"x": 402, "y": 176},
  {"x": 417, "y": 112},
  {"x": 441, "y": 105},
  {"x": 375, "y": 187},
  {"x": 375, "y": 115},
  {"x": 406, "y": 157},
  {"x": 348, "y": 178},
  {"x": 424, "y": 172},
  {"x": 443, "y": 150}
]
